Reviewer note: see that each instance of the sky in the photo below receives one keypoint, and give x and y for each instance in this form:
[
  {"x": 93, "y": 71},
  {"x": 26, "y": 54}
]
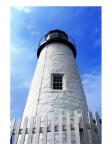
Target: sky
[{"x": 29, "y": 24}]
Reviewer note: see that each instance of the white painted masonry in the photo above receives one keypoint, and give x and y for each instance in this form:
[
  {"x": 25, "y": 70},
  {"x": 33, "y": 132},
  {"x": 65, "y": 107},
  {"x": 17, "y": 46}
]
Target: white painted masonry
[{"x": 42, "y": 99}]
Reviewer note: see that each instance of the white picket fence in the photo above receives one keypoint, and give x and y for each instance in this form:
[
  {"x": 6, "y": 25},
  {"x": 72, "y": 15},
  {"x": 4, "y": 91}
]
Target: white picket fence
[{"x": 59, "y": 129}]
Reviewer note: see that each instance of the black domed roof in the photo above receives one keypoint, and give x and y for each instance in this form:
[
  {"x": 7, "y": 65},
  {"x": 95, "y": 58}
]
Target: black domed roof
[{"x": 56, "y": 36}]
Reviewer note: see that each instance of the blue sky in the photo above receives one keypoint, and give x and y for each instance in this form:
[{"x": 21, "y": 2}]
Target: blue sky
[{"x": 29, "y": 24}]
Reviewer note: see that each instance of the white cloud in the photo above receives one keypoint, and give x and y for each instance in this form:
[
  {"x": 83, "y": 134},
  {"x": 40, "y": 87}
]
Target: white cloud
[
  {"x": 15, "y": 50},
  {"x": 92, "y": 87},
  {"x": 24, "y": 9},
  {"x": 22, "y": 51},
  {"x": 27, "y": 10},
  {"x": 23, "y": 84},
  {"x": 35, "y": 33},
  {"x": 26, "y": 84},
  {"x": 30, "y": 26},
  {"x": 32, "y": 29}
]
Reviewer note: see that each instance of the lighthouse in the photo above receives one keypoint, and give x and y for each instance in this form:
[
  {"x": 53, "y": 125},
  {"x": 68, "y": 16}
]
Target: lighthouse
[
  {"x": 56, "y": 110},
  {"x": 56, "y": 86}
]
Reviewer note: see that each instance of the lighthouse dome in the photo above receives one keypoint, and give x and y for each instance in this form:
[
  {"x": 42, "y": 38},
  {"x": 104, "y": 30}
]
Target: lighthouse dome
[{"x": 56, "y": 36}]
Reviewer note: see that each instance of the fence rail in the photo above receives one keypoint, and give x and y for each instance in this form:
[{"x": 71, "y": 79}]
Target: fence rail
[{"x": 61, "y": 129}]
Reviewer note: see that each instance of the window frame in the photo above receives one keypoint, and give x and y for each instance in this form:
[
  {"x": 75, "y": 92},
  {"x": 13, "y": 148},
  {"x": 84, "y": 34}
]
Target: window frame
[{"x": 57, "y": 82}]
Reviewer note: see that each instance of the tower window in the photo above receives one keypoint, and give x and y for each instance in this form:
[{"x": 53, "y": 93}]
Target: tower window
[{"x": 57, "y": 81}]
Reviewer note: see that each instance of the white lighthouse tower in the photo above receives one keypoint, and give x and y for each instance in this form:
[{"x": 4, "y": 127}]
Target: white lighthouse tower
[
  {"x": 56, "y": 109},
  {"x": 56, "y": 85}
]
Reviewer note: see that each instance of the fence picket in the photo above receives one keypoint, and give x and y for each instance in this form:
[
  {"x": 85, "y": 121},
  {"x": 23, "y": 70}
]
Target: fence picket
[
  {"x": 76, "y": 125},
  {"x": 85, "y": 124},
  {"x": 12, "y": 127},
  {"x": 52, "y": 129},
  {"x": 18, "y": 123},
  {"x": 60, "y": 128},
  {"x": 91, "y": 137},
  {"x": 23, "y": 131},
  {"x": 36, "y": 137},
  {"x": 29, "y": 140},
  {"x": 68, "y": 128},
  {"x": 45, "y": 131},
  {"x": 98, "y": 126}
]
